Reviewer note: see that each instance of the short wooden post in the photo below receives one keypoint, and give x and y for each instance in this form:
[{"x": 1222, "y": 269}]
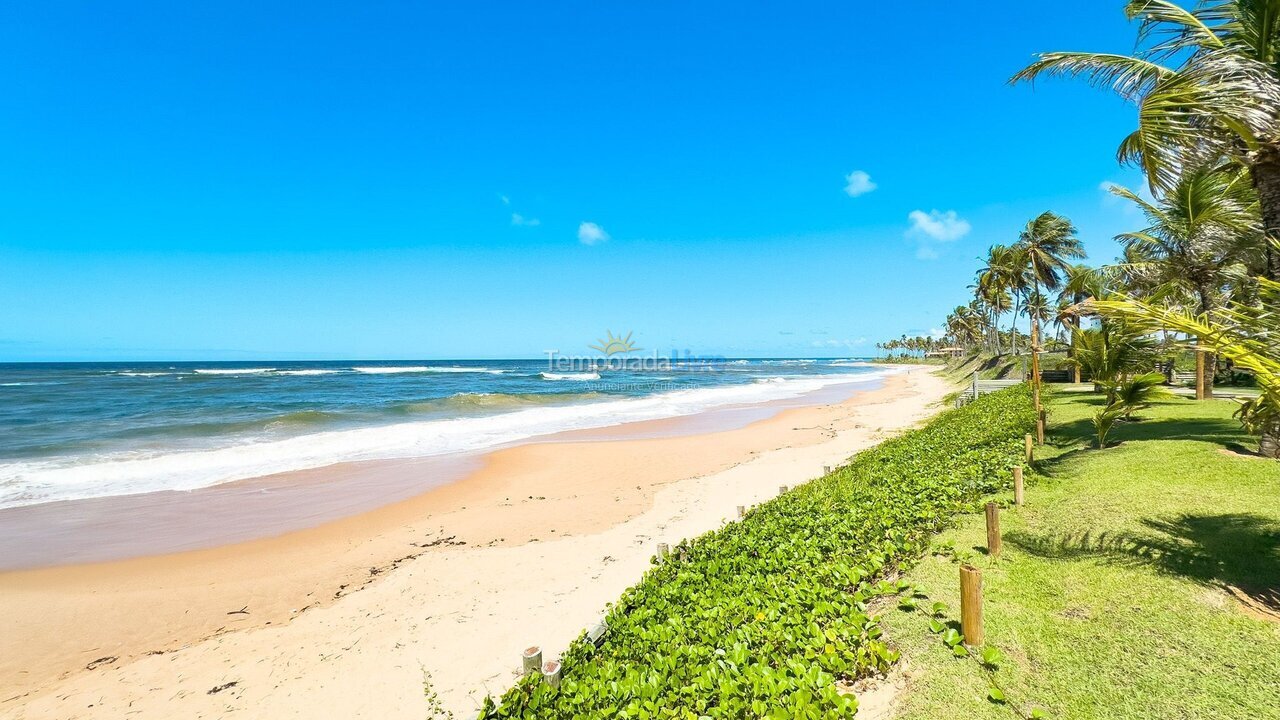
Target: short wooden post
[
  {"x": 974, "y": 389},
  {"x": 551, "y": 673},
  {"x": 993, "y": 530},
  {"x": 532, "y": 660},
  {"x": 782, "y": 489},
  {"x": 826, "y": 469},
  {"x": 1017, "y": 485},
  {"x": 1040, "y": 420},
  {"x": 971, "y": 604},
  {"x": 742, "y": 511},
  {"x": 1029, "y": 446},
  {"x": 662, "y": 552}
]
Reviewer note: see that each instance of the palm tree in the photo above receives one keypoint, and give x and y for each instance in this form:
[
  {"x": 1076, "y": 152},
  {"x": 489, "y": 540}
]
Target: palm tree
[
  {"x": 1218, "y": 96},
  {"x": 1081, "y": 284},
  {"x": 1248, "y": 334},
  {"x": 996, "y": 280},
  {"x": 1045, "y": 245},
  {"x": 1201, "y": 232}
]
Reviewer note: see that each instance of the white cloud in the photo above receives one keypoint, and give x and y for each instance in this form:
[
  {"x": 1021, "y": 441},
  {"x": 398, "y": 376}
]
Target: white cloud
[
  {"x": 858, "y": 183},
  {"x": 937, "y": 333},
  {"x": 931, "y": 229},
  {"x": 521, "y": 221},
  {"x": 941, "y": 226},
  {"x": 590, "y": 233},
  {"x": 842, "y": 343},
  {"x": 505, "y": 200}
]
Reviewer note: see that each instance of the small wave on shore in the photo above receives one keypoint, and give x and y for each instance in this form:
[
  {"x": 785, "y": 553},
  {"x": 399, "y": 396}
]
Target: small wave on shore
[
  {"x": 232, "y": 371},
  {"x": 570, "y": 376}
]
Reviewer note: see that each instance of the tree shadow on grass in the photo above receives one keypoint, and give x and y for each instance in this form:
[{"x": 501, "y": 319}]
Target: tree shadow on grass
[
  {"x": 1238, "y": 552},
  {"x": 1221, "y": 431}
]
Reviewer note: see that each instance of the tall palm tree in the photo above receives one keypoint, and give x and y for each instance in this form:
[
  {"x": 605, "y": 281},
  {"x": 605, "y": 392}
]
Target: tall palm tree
[
  {"x": 1080, "y": 284},
  {"x": 1047, "y": 244},
  {"x": 1217, "y": 95},
  {"x": 1200, "y": 234},
  {"x": 1001, "y": 282}
]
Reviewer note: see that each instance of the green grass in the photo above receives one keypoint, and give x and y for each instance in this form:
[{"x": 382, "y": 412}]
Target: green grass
[{"x": 1113, "y": 595}]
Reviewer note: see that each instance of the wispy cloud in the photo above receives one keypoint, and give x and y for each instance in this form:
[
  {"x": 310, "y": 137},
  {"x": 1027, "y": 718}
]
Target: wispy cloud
[
  {"x": 842, "y": 343},
  {"x": 521, "y": 221},
  {"x": 590, "y": 233},
  {"x": 858, "y": 183},
  {"x": 935, "y": 227},
  {"x": 505, "y": 200}
]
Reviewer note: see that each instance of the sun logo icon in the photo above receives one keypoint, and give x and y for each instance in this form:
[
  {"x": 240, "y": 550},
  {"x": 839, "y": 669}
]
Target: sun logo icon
[{"x": 612, "y": 345}]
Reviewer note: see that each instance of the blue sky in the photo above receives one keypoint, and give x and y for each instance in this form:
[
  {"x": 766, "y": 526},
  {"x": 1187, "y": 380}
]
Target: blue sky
[{"x": 411, "y": 180}]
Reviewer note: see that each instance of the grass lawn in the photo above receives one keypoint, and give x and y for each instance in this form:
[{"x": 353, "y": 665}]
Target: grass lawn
[{"x": 1136, "y": 582}]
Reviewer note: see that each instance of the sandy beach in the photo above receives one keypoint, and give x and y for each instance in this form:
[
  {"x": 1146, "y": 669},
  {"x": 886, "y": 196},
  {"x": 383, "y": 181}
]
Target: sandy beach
[{"x": 362, "y": 616}]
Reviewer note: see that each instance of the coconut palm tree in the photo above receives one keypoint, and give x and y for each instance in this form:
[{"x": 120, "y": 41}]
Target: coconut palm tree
[
  {"x": 1248, "y": 334},
  {"x": 1200, "y": 235},
  {"x": 1080, "y": 284},
  {"x": 1207, "y": 86},
  {"x": 1046, "y": 245},
  {"x": 1002, "y": 280}
]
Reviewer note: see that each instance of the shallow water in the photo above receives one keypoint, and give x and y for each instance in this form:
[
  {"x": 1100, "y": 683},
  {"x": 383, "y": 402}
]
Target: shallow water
[{"x": 92, "y": 430}]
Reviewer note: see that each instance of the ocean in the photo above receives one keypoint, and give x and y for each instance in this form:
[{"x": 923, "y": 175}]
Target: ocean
[{"x": 86, "y": 430}]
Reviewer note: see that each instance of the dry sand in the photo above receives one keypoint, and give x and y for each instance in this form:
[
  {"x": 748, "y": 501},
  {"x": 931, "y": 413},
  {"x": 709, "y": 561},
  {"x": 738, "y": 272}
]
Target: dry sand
[{"x": 356, "y": 617}]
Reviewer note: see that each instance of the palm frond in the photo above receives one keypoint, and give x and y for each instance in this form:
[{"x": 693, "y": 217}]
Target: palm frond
[{"x": 1129, "y": 76}]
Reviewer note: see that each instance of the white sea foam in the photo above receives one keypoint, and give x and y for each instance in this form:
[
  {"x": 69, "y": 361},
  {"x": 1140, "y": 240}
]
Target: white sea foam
[
  {"x": 232, "y": 371},
  {"x": 145, "y": 374},
  {"x": 311, "y": 371},
  {"x": 571, "y": 376},
  {"x": 395, "y": 370},
  {"x": 33, "y": 482}
]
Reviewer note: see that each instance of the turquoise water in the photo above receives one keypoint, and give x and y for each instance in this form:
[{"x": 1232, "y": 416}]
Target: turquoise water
[{"x": 78, "y": 430}]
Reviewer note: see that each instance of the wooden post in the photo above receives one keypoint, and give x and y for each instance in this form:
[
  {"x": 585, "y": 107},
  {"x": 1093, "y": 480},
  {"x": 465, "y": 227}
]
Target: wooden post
[
  {"x": 782, "y": 489},
  {"x": 1201, "y": 387},
  {"x": 532, "y": 659},
  {"x": 971, "y": 604},
  {"x": 826, "y": 469},
  {"x": 1040, "y": 418},
  {"x": 1017, "y": 485},
  {"x": 742, "y": 511},
  {"x": 974, "y": 390},
  {"x": 1028, "y": 443},
  {"x": 551, "y": 673},
  {"x": 993, "y": 530}
]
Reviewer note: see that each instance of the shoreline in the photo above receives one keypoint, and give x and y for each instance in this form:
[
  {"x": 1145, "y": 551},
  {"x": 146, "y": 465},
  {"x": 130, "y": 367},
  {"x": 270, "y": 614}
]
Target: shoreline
[
  {"x": 553, "y": 530},
  {"x": 134, "y": 525}
]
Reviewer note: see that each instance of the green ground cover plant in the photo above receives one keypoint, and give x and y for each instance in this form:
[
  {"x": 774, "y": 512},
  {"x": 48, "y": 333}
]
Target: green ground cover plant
[{"x": 765, "y": 617}]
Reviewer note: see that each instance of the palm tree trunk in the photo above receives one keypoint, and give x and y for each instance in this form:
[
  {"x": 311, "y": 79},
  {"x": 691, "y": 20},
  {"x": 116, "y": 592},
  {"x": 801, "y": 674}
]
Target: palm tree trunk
[
  {"x": 1269, "y": 446},
  {"x": 1035, "y": 340},
  {"x": 1210, "y": 359},
  {"x": 1266, "y": 180},
  {"x": 1013, "y": 329}
]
